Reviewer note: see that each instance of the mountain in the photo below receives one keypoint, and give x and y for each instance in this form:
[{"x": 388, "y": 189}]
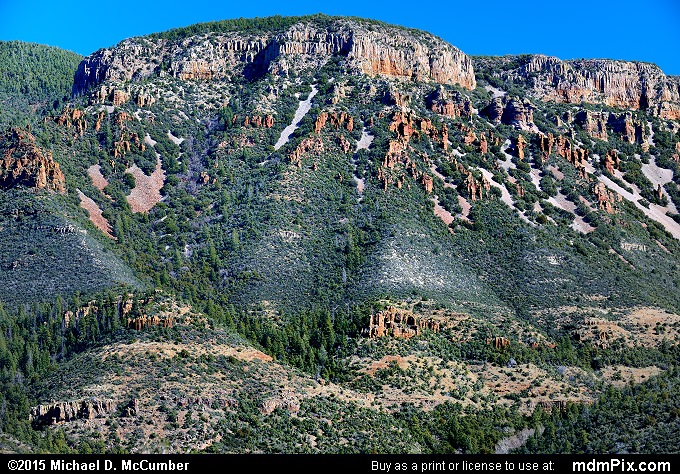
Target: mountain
[{"x": 307, "y": 234}]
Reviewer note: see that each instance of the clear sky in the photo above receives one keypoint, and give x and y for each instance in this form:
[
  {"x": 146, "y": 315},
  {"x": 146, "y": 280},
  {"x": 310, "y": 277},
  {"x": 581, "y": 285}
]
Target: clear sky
[{"x": 643, "y": 30}]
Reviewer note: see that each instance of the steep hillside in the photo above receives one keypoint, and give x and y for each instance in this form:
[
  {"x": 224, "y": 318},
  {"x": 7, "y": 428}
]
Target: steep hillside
[
  {"x": 33, "y": 76},
  {"x": 44, "y": 251},
  {"x": 391, "y": 226}
]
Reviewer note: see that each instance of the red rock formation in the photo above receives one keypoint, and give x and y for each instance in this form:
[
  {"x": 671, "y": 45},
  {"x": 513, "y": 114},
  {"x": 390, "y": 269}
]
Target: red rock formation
[
  {"x": 342, "y": 119},
  {"x": 22, "y": 163},
  {"x": 306, "y": 146},
  {"x": 611, "y": 161},
  {"x": 144, "y": 321},
  {"x": 520, "y": 143},
  {"x": 519, "y": 113},
  {"x": 498, "y": 342},
  {"x": 98, "y": 124},
  {"x": 197, "y": 70},
  {"x": 123, "y": 117},
  {"x": 493, "y": 111},
  {"x": 631, "y": 130},
  {"x": 320, "y": 122},
  {"x": 483, "y": 144},
  {"x": 477, "y": 189},
  {"x": 395, "y": 97},
  {"x": 470, "y": 137},
  {"x": 428, "y": 182},
  {"x": 575, "y": 156},
  {"x": 62, "y": 412},
  {"x": 516, "y": 112},
  {"x": 399, "y": 323},
  {"x": 73, "y": 118},
  {"x": 545, "y": 144},
  {"x": 383, "y": 51},
  {"x": 630, "y": 85},
  {"x": 120, "y": 97},
  {"x": 604, "y": 199},
  {"x": 144, "y": 99},
  {"x": 259, "y": 121}
]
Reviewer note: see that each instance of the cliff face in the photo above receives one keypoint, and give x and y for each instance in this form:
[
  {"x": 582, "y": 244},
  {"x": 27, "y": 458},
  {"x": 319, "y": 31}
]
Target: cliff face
[
  {"x": 624, "y": 84},
  {"x": 369, "y": 50},
  {"x": 22, "y": 163}
]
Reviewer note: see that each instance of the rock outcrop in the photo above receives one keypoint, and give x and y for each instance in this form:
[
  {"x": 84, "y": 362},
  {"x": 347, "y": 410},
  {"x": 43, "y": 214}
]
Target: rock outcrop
[
  {"x": 23, "y": 163},
  {"x": 337, "y": 120},
  {"x": 477, "y": 189},
  {"x": 451, "y": 104},
  {"x": 498, "y": 342},
  {"x": 144, "y": 321},
  {"x": 593, "y": 123},
  {"x": 63, "y": 412},
  {"x": 611, "y": 161},
  {"x": 515, "y": 112},
  {"x": 630, "y": 129},
  {"x": 399, "y": 323},
  {"x": 259, "y": 121},
  {"x": 605, "y": 198},
  {"x": 307, "y": 146},
  {"x": 388, "y": 50}
]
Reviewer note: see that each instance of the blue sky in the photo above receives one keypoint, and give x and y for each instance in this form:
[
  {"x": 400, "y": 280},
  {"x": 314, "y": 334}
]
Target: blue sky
[{"x": 647, "y": 30}]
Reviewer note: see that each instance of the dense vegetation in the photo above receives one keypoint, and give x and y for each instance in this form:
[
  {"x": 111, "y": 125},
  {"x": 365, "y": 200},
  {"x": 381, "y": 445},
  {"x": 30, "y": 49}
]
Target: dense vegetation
[{"x": 33, "y": 76}]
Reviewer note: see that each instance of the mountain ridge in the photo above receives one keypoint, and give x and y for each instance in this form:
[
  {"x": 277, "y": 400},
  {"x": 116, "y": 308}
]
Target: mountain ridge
[{"x": 346, "y": 232}]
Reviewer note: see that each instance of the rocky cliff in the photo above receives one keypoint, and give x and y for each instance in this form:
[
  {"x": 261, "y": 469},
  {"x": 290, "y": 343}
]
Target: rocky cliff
[
  {"x": 624, "y": 84},
  {"x": 23, "y": 163},
  {"x": 368, "y": 48}
]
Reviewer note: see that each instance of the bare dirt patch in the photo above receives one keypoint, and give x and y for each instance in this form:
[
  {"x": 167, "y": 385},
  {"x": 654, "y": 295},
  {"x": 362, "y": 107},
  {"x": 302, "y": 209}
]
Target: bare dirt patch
[
  {"x": 95, "y": 214},
  {"x": 147, "y": 191},
  {"x": 578, "y": 224},
  {"x": 534, "y": 386},
  {"x": 654, "y": 211},
  {"x": 385, "y": 363},
  {"x": 301, "y": 111},
  {"x": 620, "y": 375},
  {"x": 442, "y": 213},
  {"x": 98, "y": 179}
]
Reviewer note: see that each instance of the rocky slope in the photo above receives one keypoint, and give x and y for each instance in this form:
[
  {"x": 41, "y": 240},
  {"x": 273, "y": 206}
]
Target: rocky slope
[{"x": 623, "y": 84}]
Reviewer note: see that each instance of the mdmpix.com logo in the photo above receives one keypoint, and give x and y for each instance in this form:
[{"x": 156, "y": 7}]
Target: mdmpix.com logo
[{"x": 621, "y": 465}]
